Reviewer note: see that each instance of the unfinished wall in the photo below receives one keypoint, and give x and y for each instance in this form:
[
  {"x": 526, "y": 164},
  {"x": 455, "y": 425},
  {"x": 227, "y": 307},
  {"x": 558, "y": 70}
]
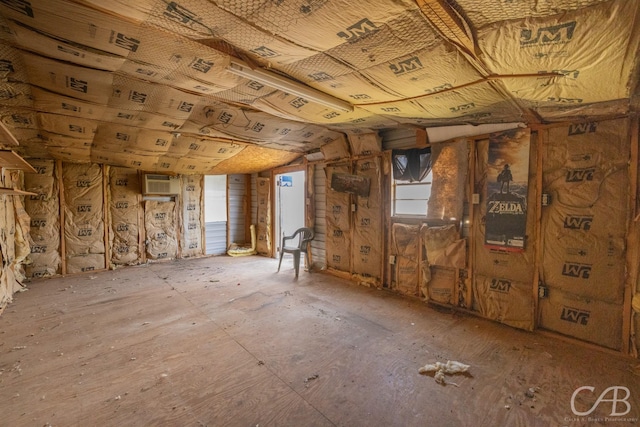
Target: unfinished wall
[
  {"x": 125, "y": 214},
  {"x": 338, "y": 215},
  {"x": 263, "y": 230},
  {"x": 14, "y": 244},
  {"x": 161, "y": 225},
  {"x": 503, "y": 279},
  {"x": 44, "y": 210},
  {"x": 368, "y": 226},
  {"x": 192, "y": 216},
  {"x": 586, "y": 172},
  {"x": 83, "y": 217}
]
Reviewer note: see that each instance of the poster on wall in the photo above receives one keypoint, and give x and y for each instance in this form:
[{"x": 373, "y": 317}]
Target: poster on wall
[{"x": 507, "y": 186}]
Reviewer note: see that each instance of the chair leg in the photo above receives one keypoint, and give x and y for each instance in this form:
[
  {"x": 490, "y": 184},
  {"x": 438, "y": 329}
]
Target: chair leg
[
  {"x": 296, "y": 261},
  {"x": 280, "y": 263}
]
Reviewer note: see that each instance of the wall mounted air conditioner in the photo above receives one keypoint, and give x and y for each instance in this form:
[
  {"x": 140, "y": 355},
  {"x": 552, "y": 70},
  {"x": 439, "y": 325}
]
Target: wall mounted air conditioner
[{"x": 161, "y": 184}]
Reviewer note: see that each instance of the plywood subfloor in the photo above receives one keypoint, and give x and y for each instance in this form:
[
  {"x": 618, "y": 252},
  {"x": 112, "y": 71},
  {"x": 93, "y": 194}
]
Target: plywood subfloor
[{"x": 226, "y": 341}]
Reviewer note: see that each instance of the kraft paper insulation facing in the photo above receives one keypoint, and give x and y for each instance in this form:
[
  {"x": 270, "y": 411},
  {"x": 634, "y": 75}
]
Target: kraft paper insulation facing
[
  {"x": 14, "y": 248},
  {"x": 44, "y": 210},
  {"x": 263, "y": 232},
  {"x": 338, "y": 216},
  {"x": 570, "y": 43},
  {"x": 22, "y": 245},
  {"x": 191, "y": 223},
  {"x": 405, "y": 246},
  {"x": 103, "y": 91},
  {"x": 506, "y": 301},
  {"x": 443, "y": 253},
  {"x": 367, "y": 237},
  {"x": 125, "y": 210},
  {"x": 160, "y": 219},
  {"x": 493, "y": 262},
  {"x": 83, "y": 221},
  {"x": 584, "y": 239},
  {"x": 449, "y": 171},
  {"x": 585, "y": 227},
  {"x": 503, "y": 282},
  {"x": 336, "y": 150}
]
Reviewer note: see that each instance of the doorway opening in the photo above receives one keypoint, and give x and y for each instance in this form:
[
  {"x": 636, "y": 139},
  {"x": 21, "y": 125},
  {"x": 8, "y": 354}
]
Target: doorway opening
[
  {"x": 215, "y": 214},
  {"x": 290, "y": 206}
]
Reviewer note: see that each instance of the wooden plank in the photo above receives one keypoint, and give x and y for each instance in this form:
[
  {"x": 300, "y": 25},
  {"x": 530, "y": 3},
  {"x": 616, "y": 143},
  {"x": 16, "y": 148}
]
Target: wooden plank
[
  {"x": 247, "y": 209},
  {"x": 142, "y": 231},
  {"x": 63, "y": 243},
  {"x": 203, "y": 244},
  {"x": 633, "y": 251},
  {"x": 7, "y": 136},
  {"x": 541, "y": 141},
  {"x": 9, "y": 159},
  {"x": 15, "y": 192},
  {"x": 106, "y": 214},
  {"x": 422, "y": 138},
  {"x": 473, "y": 159},
  {"x": 309, "y": 206},
  {"x": 319, "y": 351}
]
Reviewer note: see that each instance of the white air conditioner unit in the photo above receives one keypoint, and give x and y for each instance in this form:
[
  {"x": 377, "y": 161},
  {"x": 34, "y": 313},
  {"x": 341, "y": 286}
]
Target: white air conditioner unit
[{"x": 161, "y": 184}]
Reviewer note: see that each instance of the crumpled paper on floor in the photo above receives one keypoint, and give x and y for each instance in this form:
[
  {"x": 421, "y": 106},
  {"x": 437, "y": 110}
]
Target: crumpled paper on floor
[{"x": 451, "y": 367}]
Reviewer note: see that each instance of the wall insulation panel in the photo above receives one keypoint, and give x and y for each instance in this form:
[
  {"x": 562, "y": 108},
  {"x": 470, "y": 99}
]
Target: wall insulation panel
[
  {"x": 161, "y": 229},
  {"x": 192, "y": 221},
  {"x": 125, "y": 210},
  {"x": 84, "y": 217},
  {"x": 44, "y": 210},
  {"x": 338, "y": 215},
  {"x": 405, "y": 241},
  {"x": 585, "y": 170},
  {"x": 368, "y": 225},
  {"x": 493, "y": 262},
  {"x": 263, "y": 230}
]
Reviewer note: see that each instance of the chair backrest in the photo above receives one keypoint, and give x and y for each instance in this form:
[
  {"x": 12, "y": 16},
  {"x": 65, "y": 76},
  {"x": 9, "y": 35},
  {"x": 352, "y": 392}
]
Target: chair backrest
[{"x": 306, "y": 235}]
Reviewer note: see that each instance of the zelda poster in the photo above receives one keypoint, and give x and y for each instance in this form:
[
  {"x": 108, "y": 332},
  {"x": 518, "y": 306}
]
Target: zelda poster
[{"x": 507, "y": 185}]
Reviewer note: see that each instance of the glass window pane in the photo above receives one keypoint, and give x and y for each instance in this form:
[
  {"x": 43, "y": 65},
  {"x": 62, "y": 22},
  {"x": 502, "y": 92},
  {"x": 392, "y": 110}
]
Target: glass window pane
[
  {"x": 411, "y": 207},
  {"x": 415, "y": 191}
]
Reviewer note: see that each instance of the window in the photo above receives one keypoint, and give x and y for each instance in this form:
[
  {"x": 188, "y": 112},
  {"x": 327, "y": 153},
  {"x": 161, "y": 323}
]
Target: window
[
  {"x": 410, "y": 198},
  {"x": 411, "y": 181}
]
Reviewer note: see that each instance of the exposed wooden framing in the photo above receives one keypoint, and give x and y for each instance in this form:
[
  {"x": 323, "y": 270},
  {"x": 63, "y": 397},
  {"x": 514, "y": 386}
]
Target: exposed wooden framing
[
  {"x": 63, "y": 244},
  {"x": 387, "y": 188},
  {"x": 5, "y": 191},
  {"x": 142, "y": 230},
  {"x": 309, "y": 205},
  {"x": 106, "y": 214},
  {"x": 577, "y": 342},
  {"x": 9, "y": 159},
  {"x": 473, "y": 159},
  {"x": 179, "y": 206},
  {"x": 541, "y": 142},
  {"x": 247, "y": 209},
  {"x": 422, "y": 138},
  {"x": 203, "y": 243},
  {"x": 275, "y": 240},
  {"x": 632, "y": 240},
  {"x": 339, "y": 273}
]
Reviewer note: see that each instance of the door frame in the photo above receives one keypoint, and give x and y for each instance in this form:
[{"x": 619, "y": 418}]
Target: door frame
[{"x": 279, "y": 171}]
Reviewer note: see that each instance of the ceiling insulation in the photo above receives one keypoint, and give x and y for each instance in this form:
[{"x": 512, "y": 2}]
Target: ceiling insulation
[{"x": 150, "y": 84}]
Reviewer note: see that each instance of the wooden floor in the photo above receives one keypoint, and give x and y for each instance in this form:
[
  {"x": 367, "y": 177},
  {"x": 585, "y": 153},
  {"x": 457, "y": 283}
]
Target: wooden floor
[{"x": 224, "y": 341}]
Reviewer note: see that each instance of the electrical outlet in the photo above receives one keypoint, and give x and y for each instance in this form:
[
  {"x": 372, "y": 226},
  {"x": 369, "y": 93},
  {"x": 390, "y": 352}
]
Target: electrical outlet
[{"x": 392, "y": 259}]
